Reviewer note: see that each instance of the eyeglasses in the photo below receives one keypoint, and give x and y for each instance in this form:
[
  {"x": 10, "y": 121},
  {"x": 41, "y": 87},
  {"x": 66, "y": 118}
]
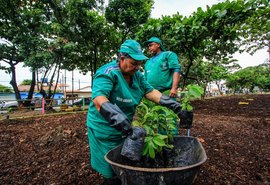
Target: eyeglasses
[{"x": 135, "y": 64}]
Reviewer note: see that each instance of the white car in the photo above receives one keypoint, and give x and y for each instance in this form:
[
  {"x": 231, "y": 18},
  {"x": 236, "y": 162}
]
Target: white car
[
  {"x": 1, "y": 103},
  {"x": 9, "y": 104}
]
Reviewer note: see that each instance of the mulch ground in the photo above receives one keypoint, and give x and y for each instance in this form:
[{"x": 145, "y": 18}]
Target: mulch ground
[{"x": 54, "y": 149}]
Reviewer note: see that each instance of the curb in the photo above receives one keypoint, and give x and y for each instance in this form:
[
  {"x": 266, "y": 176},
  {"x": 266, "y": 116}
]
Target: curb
[{"x": 41, "y": 115}]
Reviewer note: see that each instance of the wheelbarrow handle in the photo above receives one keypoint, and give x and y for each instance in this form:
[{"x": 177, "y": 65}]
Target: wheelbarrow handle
[{"x": 188, "y": 132}]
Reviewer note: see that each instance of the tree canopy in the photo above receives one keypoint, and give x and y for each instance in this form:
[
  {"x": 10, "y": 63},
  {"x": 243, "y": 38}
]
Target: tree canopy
[
  {"x": 249, "y": 78},
  {"x": 50, "y": 35}
]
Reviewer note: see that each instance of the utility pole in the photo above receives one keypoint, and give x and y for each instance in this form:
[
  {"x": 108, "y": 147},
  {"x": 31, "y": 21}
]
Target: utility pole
[
  {"x": 72, "y": 87},
  {"x": 268, "y": 54},
  {"x": 65, "y": 93}
]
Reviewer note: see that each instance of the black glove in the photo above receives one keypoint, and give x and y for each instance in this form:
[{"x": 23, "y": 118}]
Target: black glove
[
  {"x": 186, "y": 117},
  {"x": 170, "y": 103},
  {"x": 116, "y": 118},
  {"x": 133, "y": 145}
]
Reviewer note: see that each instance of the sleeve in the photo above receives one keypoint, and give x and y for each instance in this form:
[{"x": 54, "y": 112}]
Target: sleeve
[
  {"x": 145, "y": 69},
  {"x": 173, "y": 61},
  {"x": 102, "y": 85},
  {"x": 144, "y": 85}
]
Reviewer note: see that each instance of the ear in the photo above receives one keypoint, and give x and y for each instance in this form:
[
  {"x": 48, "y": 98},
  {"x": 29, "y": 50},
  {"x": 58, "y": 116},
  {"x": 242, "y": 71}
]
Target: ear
[{"x": 122, "y": 58}]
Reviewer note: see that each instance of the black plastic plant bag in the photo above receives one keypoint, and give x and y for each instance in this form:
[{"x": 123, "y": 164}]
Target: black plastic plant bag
[
  {"x": 187, "y": 122},
  {"x": 133, "y": 145}
]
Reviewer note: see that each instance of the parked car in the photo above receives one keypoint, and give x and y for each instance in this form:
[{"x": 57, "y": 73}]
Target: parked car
[
  {"x": 9, "y": 104},
  {"x": 80, "y": 101},
  {"x": 1, "y": 103},
  {"x": 12, "y": 104}
]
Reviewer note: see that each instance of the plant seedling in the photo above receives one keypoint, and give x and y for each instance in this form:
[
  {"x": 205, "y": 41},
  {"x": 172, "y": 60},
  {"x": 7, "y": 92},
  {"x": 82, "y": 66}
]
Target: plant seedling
[{"x": 158, "y": 121}]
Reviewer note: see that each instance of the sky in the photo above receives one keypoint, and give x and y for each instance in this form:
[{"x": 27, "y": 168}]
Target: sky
[{"x": 161, "y": 7}]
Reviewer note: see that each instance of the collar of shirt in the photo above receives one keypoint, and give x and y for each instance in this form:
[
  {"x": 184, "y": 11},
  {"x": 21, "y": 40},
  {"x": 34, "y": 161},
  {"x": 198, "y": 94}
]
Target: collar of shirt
[{"x": 156, "y": 56}]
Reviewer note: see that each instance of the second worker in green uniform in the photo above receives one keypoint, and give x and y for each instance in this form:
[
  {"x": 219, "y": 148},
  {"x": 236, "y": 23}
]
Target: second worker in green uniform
[{"x": 162, "y": 71}]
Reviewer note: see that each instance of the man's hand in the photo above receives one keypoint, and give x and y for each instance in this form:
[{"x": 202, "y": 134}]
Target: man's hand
[{"x": 173, "y": 93}]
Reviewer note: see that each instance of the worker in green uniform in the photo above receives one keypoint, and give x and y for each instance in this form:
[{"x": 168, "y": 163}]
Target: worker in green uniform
[
  {"x": 162, "y": 70},
  {"x": 118, "y": 87}
]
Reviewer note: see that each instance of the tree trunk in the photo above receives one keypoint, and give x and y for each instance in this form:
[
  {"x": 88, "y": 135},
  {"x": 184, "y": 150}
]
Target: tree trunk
[
  {"x": 13, "y": 83},
  {"x": 50, "y": 94},
  {"x": 31, "y": 90},
  {"x": 57, "y": 78},
  {"x": 188, "y": 68}
]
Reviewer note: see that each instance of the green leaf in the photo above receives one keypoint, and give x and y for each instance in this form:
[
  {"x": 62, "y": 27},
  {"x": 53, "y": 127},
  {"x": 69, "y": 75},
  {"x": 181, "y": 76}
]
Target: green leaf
[
  {"x": 136, "y": 124},
  {"x": 145, "y": 149},
  {"x": 151, "y": 152},
  {"x": 159, "y": 141},
  {"x": 162, "y": 136},
  {"x": 170, "y": 146},
  {"x": 147, "y": 139},
  {"x": 152, "y": 144},
  {"x": 189, "y": 108},
  {"x": 195, "y": 91}
]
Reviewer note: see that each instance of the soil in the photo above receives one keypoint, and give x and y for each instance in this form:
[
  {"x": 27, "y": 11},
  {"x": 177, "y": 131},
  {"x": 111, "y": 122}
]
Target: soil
[{"x": 53, "y": 149}]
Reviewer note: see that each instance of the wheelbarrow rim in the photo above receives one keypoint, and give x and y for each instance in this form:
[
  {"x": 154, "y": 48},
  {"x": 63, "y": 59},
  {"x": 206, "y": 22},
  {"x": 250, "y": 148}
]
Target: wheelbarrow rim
[{"x": 160, "y": 169}]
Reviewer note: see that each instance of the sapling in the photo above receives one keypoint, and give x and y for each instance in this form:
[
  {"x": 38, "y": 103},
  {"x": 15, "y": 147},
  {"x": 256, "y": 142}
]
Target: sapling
[
  {"x": 158, "y": 121},
  {"x": 154, "y": 118},
  {"x": 192, "y": 91}
]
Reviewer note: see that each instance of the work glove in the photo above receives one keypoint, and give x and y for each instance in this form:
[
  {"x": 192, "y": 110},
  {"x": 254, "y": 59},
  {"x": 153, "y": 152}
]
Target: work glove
[
  {"x": 186, "y": 117},
  {"x": 133, "y": 144},
  {"x": 116, "y": 118}
]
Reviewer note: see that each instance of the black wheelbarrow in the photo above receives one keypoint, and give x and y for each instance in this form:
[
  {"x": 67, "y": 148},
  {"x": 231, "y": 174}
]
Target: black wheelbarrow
[{"x": 190, "y": 156}]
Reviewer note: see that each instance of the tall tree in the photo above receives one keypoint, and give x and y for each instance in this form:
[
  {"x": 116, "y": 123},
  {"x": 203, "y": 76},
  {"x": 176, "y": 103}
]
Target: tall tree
[
  {"x": 249, "y": 78},
  {"x": 90, "y": 40},
  {"x": 128, "y": 16},
  {"x": 255, "y": 31},
  {"x": 20, "y": 22}
]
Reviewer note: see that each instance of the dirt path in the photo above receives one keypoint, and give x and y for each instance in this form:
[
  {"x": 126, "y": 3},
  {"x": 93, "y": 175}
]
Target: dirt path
[{"x": 55, "y": 150}]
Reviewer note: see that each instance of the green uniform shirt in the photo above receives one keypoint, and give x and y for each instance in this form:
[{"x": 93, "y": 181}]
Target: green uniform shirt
[
  {"x": 109, "y": 82},
  {"x": 160, "y": 68}
]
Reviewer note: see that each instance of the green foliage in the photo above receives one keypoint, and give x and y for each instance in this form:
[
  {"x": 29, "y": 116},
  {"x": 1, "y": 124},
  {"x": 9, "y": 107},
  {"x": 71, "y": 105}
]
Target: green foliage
[
  {"x": 154, "y": 118},
  {"x": 26, "y": 82},
  {"x": 158, "y": 121},
  {"x": 192, "y": 91},
  {"x": 5, "y": 89},
  {"x": 91, "y": 40},
  {"x": 127, "y": 16},
  {"x": 212, "y": 71},
  {"x": 249, "y": 78},
  {"x": 212, "y": 34},
  {"x": 255, "y": 31}
]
